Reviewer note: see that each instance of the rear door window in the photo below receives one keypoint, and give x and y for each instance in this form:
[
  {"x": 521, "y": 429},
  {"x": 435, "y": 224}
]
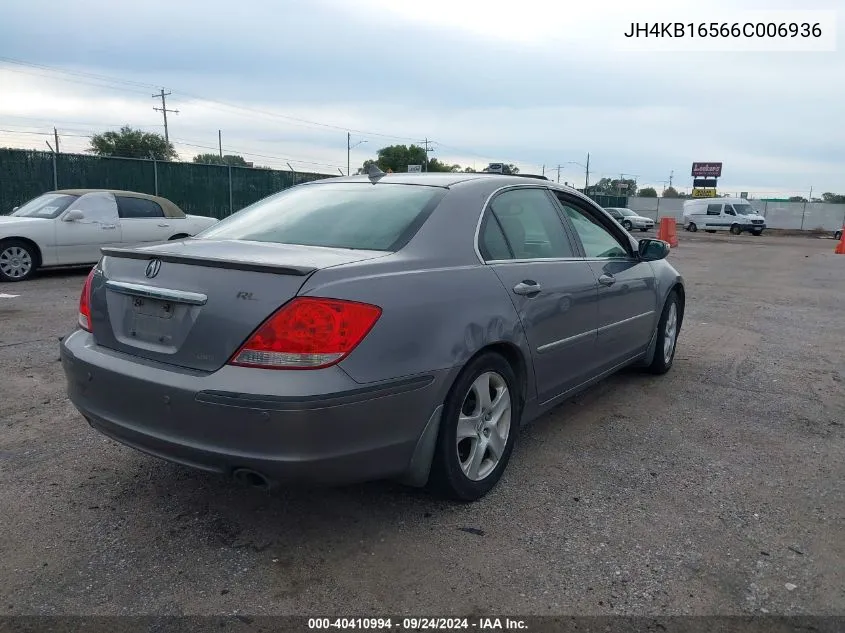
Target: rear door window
[
  {"x": 531, "y": 224},
  {"x": 381, "y": 217},
  {"x": 714, "y": 209},
  {"x": 129, "y": 207}
]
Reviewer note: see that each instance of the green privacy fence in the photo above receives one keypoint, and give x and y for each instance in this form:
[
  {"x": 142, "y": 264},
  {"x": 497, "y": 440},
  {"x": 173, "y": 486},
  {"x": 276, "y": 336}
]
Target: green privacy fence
[{"x": 211, "y": 190}]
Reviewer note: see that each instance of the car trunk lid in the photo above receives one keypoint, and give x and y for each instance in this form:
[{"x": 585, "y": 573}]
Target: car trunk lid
[{"x": 193, "y": 303}]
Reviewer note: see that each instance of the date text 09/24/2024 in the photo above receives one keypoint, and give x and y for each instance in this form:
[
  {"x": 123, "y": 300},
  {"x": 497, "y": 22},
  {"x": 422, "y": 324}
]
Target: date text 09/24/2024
[
  {"x": 725, "y": 29},
  {"x": 419, "y": 624}
]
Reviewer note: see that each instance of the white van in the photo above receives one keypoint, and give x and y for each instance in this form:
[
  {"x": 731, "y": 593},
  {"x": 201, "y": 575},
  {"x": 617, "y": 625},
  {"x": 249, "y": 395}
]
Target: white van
[{"x": 722, "y": 214}]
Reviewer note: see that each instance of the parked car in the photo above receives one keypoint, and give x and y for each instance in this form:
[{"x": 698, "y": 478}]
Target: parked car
[
  {"x": 630, "y": 220},
  {"x": 722, "y": 214},
  {"x": 69, "y": 227},
  {"x": 350, "y": 329}
]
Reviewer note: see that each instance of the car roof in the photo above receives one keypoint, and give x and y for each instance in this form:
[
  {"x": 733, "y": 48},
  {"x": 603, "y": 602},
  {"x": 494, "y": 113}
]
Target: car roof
[
  {"x": 171, "y": 210},
  {"x": 438, "y": 179}
]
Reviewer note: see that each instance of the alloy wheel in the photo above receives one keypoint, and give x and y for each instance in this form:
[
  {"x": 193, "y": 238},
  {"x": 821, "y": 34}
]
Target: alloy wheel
[
  {"x": 484, "y": 425},
  {"x": 15, "y": 262}
]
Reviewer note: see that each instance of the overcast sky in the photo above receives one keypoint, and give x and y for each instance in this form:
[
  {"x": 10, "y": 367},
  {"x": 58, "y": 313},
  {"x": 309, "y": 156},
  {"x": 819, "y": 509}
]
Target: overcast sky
[{"x": 533, "y": 83}]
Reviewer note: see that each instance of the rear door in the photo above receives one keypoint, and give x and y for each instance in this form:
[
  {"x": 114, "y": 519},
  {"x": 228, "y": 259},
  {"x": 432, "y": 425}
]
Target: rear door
[
  {"x": 80, "y": 241},
  {"x": 627, "y": 313},
  {"x": 142, "y": 220},
  {"x": 553, "y": 290}
]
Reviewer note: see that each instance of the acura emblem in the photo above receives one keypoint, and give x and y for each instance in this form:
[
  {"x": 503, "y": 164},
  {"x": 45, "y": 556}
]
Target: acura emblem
[{"x": 152, "y": 268}]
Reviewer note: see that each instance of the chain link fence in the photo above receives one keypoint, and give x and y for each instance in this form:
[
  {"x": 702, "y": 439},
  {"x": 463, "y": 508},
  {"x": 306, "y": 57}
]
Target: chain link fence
[{"x": 209, "y": 190}]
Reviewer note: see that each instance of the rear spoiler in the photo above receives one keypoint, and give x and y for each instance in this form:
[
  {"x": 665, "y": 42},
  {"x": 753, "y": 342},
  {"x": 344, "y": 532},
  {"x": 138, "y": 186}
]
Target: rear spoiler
[{"x": 259, "y": 267}]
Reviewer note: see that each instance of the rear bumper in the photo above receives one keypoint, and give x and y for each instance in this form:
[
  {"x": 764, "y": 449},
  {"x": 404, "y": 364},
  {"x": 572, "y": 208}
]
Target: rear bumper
[{"x": 291, "y": 426}]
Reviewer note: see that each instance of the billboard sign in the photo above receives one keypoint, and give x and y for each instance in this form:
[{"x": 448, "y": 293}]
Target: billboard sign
[
  {"x": 706, "y": 170},
  {"x": 704, "y": 193},
  {"x": 414, "y": 169}
]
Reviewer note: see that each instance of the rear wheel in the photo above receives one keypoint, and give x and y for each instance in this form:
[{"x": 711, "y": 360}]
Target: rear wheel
[
  {"x": 667, "y": 335},
  {"x": 18, "y": 260},
  {"x": 627, "y": 224},
  {"x": 692, "y": 227},
  {"x": 736, "y": 229},
  {"x": 478, "y": 429}
]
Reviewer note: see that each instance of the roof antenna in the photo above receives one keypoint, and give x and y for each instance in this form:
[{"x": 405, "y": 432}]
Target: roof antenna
[{"x": 374, "y": 173}]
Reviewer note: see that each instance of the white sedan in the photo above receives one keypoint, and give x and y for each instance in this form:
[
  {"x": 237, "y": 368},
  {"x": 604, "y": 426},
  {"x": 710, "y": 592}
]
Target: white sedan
[{"x": 69, "y": 227}]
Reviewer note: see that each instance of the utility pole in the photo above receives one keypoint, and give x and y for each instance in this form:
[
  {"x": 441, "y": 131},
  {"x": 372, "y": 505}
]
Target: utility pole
[
  {"x": 558, "y": 174},
  {"x": 220, "y": 142},
  {"x": 587, "y": 177},
  {"x": 671, "y": 176},
  {"x": 163, "y": 109},
  {"x": 427, "y": 150},
  {"x": 56, "y": 136},
  {"x": 349, "y": 147}
]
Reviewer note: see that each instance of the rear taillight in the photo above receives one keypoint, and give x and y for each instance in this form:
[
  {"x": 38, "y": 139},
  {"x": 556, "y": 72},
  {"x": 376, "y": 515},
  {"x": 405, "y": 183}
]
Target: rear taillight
[
  {"x": 85, "y": 303},
  {"x": 308, "y": 333}
]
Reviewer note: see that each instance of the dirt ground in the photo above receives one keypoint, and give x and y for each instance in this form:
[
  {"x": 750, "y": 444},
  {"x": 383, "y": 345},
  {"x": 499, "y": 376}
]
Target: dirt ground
[{"x": 716, "y": 489}]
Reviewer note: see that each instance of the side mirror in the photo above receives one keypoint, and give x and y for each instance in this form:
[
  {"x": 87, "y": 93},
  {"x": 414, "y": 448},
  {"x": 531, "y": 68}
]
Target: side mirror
[
  {"x": 650, "y": 250},
  {"x": 73, "y": 216}
]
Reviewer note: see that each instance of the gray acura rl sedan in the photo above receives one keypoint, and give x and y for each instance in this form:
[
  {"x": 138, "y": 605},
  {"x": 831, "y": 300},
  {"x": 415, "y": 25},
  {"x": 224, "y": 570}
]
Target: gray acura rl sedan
[{"x": 379, "y": 326}]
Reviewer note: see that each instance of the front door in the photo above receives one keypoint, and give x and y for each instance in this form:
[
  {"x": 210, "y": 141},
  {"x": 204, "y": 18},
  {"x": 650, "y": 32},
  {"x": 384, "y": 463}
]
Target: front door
[
  {"x": 79, "y": 241},
  {"x": 628, "y": 313},
  {"x": 554, "y": 292}
]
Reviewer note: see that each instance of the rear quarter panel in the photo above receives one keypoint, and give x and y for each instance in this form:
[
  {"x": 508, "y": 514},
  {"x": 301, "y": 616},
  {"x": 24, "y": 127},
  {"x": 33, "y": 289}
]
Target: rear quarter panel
[{"x": 433, "y": 318}]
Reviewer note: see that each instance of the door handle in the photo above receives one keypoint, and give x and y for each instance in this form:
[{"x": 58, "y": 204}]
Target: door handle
[
  {"x": 607, "y": 280},
  {"x": 108, "y": 226},
  {"x": 527, "y": 287},
  {"x": 163, "y": 224}
]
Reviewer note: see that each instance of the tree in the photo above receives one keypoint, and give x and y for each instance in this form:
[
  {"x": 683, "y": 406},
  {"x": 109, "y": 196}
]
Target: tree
[
  {"x": 671, "y": 192},
  {"x": 648, "y": 192},
  {"x": 130, "y": 143},
  {"x": 612, "y": 186},
  {"x": 398, "y": 157},
  {"x": 797, "y": 199},
  {"x": 228, "y": 159},
  {"x": 833, "y": 198}
]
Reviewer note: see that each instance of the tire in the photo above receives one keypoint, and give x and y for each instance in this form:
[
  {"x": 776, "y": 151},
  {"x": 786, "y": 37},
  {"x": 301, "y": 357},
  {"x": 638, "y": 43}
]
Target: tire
[
  {"x": 453, "y": 459},
  {"x": 627, "y": 225},
  {"x": 736, "y": 229},
  {"x": 838, "y": 235},
  {"x": 692, "y": 227},
  {"x": 18, "y": 260},
  {"x": 664, "y": 355}
]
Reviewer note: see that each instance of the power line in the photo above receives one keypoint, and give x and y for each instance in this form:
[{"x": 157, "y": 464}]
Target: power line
[{"x": 200, "y": 98}]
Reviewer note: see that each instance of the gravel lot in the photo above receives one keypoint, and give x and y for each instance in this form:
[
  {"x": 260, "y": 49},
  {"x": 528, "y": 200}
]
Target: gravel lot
[{"x": 717, "y": 489}]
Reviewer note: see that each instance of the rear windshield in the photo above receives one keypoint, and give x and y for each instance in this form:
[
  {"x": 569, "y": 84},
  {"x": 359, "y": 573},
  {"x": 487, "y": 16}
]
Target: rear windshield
[
  {"x": 48, "y": 206},
  {"x": 381, "y": 217}
]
